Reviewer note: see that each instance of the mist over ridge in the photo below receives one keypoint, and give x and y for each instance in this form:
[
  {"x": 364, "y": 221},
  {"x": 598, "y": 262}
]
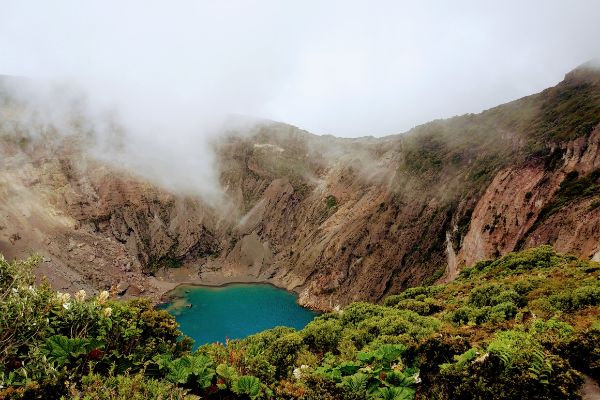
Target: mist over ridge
[
  {"x": 156, "y": 85},
  {"x": 345, "y": 68}
]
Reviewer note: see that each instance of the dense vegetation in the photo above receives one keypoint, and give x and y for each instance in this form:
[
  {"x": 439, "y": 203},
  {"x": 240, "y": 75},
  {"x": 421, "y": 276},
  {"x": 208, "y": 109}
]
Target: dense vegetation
[
  {"x": 523, "y": 326},
  {"x": 571, "y": 109},
  {"x": 460, "y": 155}
]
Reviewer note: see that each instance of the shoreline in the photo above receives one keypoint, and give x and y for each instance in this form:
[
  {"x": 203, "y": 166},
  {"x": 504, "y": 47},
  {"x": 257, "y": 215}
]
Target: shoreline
[
  {"x": 167, "y": 281},
  {"x": 165, "y": 296}
]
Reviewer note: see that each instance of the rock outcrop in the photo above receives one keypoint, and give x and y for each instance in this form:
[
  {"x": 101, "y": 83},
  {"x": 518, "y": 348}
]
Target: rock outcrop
[{"x": 337, "y": 220}]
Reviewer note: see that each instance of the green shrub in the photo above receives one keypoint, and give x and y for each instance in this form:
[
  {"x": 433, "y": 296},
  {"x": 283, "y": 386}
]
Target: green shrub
[
  {"x": 502, "y": 312},
  {"x": 357, "y": 312},
  {"x": 512, "y": 356},
  {"x": 528, "y": 317},
  {"x": 191, "y": 370},
  {"x": 247, "y": 385},
  {"x": 485, "y": 296},
  {"x": 416, "y": 293},
  {"x": 282, "y": 353},
  {"x": 542, "y": 257},
  {"x": 131, "y": 387},
  {"x": 583, "y": 351},
  {"x": 323, "y": 335},
  {"x": 552, "y": 333},
  {"x": 427, "y": 306},
  {"x": 576, "y": 299},
  {"x": 331, "y": 202}
]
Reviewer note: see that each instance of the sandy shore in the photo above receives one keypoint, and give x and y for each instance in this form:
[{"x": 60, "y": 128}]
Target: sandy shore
[{"x": 167, "y": 280}]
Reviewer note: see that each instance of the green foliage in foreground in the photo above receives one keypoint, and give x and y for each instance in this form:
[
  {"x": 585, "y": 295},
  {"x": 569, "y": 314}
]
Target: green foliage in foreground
[{"x": 523, "y": 326}]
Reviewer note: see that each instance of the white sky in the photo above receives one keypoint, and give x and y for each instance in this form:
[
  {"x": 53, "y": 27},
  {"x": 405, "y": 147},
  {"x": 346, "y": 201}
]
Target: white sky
[{"x": 348, "y": 68}]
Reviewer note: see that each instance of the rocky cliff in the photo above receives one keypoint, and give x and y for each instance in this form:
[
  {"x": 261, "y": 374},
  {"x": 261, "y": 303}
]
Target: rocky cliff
[{"x": 336, "y": 220}]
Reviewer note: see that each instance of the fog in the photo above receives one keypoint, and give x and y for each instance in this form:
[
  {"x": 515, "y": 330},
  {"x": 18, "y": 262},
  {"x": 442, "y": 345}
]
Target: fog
[
  {"x": 347, "y": 68},
  {"x": 174, "y": 71}
]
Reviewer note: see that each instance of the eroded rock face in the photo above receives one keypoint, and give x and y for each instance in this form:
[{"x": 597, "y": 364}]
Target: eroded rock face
[
  {"x": 337, "y": 220},
  {"x": 331, "y": 233},
  {"x": 513, "y": 212}
]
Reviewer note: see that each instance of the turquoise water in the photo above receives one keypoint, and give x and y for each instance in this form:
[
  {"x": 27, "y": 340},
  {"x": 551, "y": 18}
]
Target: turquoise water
[{"x": 234, "y": 311}]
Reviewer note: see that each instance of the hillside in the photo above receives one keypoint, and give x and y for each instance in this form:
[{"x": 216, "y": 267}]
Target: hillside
[
  {"x": 530, "y": 317},
  {"x": 337, "y": 220}
]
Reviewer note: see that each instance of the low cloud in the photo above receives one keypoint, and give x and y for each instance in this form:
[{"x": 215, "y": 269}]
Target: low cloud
[{"x": 172, "y": 74}]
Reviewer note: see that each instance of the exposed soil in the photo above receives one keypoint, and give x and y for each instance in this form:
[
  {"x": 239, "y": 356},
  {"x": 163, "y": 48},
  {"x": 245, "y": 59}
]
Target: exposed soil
[{"x": 335, "y": 220}]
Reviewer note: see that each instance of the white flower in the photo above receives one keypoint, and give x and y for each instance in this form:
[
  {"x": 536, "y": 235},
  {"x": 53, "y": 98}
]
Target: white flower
[
  {"x": 107, "y": 312},
  {"x": 63, "y": 297},
  {"x": 80, "y": 295},
  {"x": 66, "y": 306},
  {"x": 482, "y": 357},
  {"x": 298, "y": 371},
  {"x": 103, "y": 296},
  {"x": 417, "y": 378},
  {"x": 14, "y": 290}
]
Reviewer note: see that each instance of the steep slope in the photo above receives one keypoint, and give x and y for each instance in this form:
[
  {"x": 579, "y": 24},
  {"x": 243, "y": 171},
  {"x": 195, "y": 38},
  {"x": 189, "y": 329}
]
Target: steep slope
[
  {"x": 337, "y": 220},
  {"x": 553, "y": 196}
]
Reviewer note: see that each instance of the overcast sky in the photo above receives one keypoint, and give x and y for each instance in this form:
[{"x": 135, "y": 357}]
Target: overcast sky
[{"x": 348, "y": 68}]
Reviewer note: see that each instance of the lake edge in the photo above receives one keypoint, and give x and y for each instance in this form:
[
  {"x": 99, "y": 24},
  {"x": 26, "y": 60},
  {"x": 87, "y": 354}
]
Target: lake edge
[{"x": 223, "y": 306}]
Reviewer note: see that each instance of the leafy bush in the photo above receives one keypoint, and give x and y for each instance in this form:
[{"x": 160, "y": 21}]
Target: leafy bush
[
  {"x": 331, "y": 202},
  {"x": 50, "y": 337},
  {"x": 282, "y": 353},
  {"x": 191, "y": 370},
  {"x": 512, "y": 356},
  {"x": 583, "y": 296},
  {"x": 131, "y": 387},
  {"x": 528, "y": 317},
  {"x": 323, "y": 334},
  {"x": 514, "y": 263}
]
